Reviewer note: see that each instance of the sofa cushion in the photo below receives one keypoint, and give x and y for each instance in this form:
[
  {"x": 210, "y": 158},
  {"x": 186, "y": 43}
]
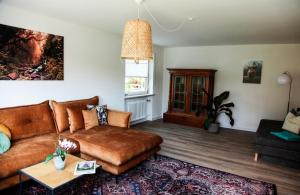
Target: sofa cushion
[
  {"x": 75, "y": 119},
  {"x": 119, "y": 118},
  {"x": 26, "y": 152},
  {"x": 90, "y": 118},
  {"x": 60, "y": 110},
  {"x": 292, "y": 123},
  {"x": 114, "y": 144},
  {"x": 28, "y": 121}
]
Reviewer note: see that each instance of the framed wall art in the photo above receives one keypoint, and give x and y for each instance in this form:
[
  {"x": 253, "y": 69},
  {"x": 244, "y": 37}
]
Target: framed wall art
[
  {"x": 30, "y": 55},
  {"x": 252, "y": 72}
]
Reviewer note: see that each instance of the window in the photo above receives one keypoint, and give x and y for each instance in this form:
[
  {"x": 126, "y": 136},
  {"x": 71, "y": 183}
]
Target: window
[{"x": 136, "y": 77}]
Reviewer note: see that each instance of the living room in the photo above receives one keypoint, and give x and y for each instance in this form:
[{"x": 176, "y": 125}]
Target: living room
[{"x": 226, "y": 41}]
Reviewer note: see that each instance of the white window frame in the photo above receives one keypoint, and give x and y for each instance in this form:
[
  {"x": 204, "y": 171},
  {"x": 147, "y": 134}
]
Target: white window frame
[{"x": 147, "y": 80}]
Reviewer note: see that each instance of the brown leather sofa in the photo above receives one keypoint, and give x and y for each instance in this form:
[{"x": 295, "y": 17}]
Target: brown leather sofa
[{"x": 35, "y": 130}]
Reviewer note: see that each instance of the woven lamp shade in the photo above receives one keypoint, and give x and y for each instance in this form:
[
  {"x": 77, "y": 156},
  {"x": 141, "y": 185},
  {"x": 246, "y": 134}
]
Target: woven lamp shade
[{"x": 137, "y": 40}]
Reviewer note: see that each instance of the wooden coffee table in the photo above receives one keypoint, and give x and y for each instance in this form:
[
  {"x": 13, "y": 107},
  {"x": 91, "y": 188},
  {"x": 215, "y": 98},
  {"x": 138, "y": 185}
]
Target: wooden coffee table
[{"x": 46, "y": 174}]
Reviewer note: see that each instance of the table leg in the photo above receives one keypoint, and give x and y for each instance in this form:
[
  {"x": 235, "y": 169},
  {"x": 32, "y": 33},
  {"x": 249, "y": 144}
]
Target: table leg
[{"x": 20, "y": 183}]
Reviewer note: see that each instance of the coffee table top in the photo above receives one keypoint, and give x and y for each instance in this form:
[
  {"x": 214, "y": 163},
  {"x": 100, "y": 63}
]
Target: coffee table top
[{"x": 46, "y": 173}]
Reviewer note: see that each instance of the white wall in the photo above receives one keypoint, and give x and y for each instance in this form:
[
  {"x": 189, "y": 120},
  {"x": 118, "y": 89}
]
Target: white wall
[
  {"x": 158, "y": 83},
  {"x": 92, "y": 63},
  {"x": 93, "y": 67},
  {"x": 252, "y": 101}
]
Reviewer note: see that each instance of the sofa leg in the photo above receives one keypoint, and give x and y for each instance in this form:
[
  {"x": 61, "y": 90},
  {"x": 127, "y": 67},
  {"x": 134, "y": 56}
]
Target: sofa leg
[
  {"x": 256, "y": 156},
  {"x": 155, "y": 156}
]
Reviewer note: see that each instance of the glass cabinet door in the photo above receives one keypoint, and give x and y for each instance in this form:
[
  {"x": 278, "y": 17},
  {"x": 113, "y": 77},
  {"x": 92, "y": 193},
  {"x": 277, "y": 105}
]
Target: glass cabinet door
[
  {"x": 179, "y": 93},
  {"x": 197, "y": 94}
]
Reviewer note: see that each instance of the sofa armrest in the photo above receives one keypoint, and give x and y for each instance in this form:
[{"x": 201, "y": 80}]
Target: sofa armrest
[{"x": 119, "y": 118}]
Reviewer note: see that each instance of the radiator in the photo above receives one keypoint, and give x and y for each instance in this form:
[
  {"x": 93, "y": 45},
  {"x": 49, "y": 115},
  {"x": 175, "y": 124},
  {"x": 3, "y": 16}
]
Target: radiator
[{"x": 138, "y": 109}]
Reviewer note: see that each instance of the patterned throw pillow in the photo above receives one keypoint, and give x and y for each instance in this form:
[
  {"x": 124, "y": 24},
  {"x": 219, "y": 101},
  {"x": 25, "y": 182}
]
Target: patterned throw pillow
[{"x": 101, "y": 113}]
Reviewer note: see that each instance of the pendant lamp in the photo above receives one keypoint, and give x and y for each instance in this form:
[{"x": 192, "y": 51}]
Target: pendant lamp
[{"x": 137, "y": 40}]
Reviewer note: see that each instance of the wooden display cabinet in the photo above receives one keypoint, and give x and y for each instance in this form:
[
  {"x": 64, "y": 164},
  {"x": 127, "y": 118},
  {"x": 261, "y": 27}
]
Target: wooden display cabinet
[{"x": 186, "y": 95}]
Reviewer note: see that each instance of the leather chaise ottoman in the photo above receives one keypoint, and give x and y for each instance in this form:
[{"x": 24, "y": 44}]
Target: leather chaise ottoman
[{"x": 116, "y": 149}]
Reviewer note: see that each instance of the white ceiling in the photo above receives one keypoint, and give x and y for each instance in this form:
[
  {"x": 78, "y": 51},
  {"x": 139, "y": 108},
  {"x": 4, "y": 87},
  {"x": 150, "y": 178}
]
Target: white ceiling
[{"x": 219, "y": 21}]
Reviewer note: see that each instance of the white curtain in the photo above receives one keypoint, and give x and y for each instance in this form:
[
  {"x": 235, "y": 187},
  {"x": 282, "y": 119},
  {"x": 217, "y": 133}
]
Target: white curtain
[{"x": 136, "y": 70}]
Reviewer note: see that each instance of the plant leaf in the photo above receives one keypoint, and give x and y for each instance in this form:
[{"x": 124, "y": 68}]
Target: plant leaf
[
  {"x": 49, "y": 157},
  {"x": 231, "y": 104},
  {"x": 205, "y": 92},
  {"x": 230, "y": 118},
  {"x": 220, "y": 98},
  {"x": 207, "y": 123},
  {"x": 63, "y": 157},
  {"x": 58, "y": 150},
  {"x": 226, "y": 110}
]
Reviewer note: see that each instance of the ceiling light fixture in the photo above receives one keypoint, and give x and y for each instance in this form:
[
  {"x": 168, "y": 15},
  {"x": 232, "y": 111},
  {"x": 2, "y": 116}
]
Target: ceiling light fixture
[
  {"x": 137, "y": 39},
  {"x": 137, "y": 36}
]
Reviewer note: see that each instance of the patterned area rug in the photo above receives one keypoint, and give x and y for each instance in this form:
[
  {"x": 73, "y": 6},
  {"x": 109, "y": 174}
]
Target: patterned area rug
[{"x": 163, "y": 176}]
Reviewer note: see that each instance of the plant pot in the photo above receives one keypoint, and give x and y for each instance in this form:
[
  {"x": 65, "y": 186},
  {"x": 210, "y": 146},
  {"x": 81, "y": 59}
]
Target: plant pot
[
  {"x": 59, "y": 163},
  {"x": 214, "y": 127}
]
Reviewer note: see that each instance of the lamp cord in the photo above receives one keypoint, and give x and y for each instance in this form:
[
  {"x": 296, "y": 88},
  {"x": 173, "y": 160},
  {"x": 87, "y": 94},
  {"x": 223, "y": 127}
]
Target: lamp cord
[
  {"x": 138, "y": 11},
  {"x": 177, "y": 28}
]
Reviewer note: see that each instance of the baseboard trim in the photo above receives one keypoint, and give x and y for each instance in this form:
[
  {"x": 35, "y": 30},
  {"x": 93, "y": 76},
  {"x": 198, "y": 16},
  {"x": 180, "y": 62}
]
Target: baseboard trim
[
  {"x": 156, "y": 117},
  {"x": 145, "y": 119},
  {"x": 239, "y": 129},
  {"x": 138, "y": 121}
]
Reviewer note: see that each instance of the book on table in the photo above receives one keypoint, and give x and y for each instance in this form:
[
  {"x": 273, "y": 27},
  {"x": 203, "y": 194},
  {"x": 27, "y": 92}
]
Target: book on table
[{"x": 85, "y": 167}]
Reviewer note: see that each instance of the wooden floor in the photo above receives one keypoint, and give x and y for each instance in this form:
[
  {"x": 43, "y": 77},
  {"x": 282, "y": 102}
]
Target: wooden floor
[{"x": 230, "y": 151}]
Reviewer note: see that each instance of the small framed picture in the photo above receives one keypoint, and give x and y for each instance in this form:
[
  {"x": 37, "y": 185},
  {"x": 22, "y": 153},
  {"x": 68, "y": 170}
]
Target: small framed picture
[{"x": 252, "y": 72}]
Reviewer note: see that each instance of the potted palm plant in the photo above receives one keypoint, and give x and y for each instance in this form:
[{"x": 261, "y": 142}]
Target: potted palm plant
[
  {"x": 214, "y": 108},
  {"x": 59, "y": 157}
]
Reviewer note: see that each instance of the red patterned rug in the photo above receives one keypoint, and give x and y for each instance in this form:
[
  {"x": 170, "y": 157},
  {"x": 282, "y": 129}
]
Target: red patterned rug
[{"x": 164, "y": 176}]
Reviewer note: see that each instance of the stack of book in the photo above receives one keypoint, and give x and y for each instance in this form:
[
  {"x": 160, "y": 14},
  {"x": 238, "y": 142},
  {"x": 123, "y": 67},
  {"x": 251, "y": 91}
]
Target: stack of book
[{"x": 85, "y": 167}]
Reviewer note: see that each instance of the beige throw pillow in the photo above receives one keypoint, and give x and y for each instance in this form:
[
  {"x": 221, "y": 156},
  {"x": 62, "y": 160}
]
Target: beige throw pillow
[
  {"x": 90, "y": 118},
  {"x": 292, "y": 123}
]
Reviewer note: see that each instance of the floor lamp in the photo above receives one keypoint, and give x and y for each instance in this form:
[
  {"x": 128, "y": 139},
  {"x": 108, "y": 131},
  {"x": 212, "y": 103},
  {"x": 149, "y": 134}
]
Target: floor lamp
[{"x": 285, "y": 79}]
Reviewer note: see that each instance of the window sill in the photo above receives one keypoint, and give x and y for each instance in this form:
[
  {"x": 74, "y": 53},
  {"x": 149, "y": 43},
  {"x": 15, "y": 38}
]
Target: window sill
[{"x": 138, "y": 96}]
